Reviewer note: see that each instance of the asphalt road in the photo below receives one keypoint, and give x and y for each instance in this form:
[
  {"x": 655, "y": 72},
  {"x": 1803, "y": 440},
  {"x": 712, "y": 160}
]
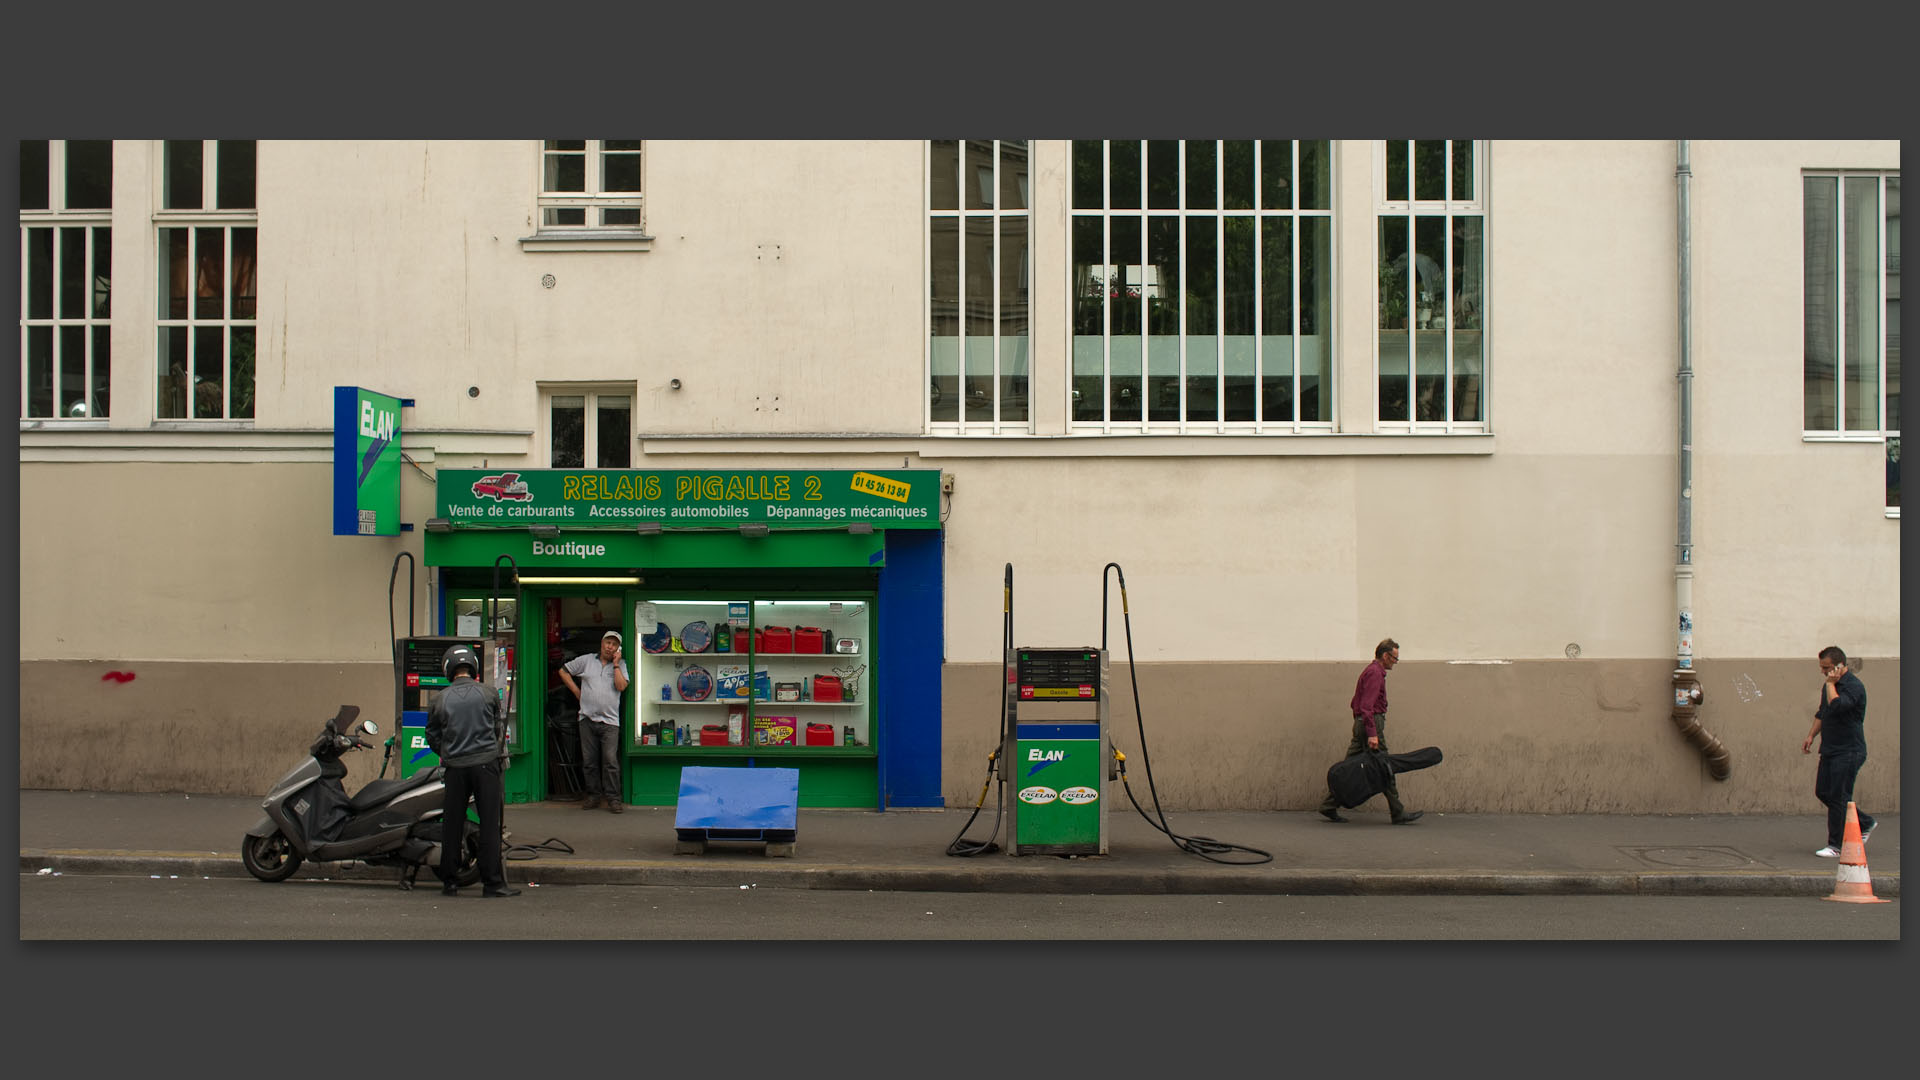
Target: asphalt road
[{"x": 98, "y": 907}]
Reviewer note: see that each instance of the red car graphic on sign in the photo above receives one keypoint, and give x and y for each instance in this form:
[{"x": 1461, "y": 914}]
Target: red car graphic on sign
[{"x": 506, "y": 486}]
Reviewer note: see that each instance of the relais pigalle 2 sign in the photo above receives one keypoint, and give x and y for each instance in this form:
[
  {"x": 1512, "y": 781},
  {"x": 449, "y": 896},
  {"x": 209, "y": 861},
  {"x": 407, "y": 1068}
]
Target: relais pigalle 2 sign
[{"x": 622, "y": 500}]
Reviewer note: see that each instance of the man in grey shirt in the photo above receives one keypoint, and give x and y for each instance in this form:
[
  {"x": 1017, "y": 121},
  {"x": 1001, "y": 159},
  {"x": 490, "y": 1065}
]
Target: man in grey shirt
[{"x": 602, "y": 679}]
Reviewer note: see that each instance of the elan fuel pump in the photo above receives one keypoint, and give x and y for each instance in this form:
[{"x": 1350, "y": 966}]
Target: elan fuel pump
[
  {"x": 1057, "y": 752},
  {"x": 1059, "y": 757},
  {"x": 417, "y": 668},
  {"x": 419, "y": 678}
]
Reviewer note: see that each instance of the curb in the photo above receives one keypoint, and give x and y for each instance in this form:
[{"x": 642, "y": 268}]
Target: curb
[{"x": 781, "y": 874}]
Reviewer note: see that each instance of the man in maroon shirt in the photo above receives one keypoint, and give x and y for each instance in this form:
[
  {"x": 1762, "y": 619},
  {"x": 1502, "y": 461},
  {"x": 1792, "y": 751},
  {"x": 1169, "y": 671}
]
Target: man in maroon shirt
[{"x": 1370, "y": 730}]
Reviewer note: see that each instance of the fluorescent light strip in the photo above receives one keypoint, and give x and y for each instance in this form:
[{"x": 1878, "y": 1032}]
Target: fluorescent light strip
[{"x": 581, "y": 580}]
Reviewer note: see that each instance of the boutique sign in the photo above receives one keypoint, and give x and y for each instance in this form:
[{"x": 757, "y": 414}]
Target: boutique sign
[{"x": 623, "y": 500}]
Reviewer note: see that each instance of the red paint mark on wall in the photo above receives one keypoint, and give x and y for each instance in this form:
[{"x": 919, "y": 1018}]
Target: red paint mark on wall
[{"x": 118, "y": 676}]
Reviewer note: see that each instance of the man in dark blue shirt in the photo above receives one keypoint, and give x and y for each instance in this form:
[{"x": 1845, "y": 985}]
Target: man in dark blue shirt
[{"x": 1839, "y": 722}]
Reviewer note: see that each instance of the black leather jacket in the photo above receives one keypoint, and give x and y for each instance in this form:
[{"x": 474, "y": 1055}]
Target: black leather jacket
[{"x": 463, "y": 726}]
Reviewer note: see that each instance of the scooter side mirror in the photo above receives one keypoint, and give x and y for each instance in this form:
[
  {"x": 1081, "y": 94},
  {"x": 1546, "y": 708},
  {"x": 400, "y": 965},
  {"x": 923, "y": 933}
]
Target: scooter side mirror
[{"x": 370, "y": 728}]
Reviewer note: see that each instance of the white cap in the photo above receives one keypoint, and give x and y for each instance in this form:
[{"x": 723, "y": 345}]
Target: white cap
[{"x": 614, "y": 634}]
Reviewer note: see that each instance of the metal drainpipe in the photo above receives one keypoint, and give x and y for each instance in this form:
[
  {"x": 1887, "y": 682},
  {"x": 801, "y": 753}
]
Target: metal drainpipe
[{"x": 1686, "y": 686}]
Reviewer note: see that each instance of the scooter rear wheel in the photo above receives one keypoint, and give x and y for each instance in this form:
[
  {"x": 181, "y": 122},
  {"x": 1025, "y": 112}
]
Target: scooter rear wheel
[{"x": 269, "y": 858}]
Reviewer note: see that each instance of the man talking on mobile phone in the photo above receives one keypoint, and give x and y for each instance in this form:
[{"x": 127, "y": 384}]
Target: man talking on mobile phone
[
  {"x": 1840, "y": 724},
  {"x": 602, "y": 679}
]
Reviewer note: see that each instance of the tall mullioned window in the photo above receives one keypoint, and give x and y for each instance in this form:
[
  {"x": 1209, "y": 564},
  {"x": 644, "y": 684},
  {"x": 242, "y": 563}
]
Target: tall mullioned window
[
  {"x": 1851, "y": 248},
  {"x": 1431, "y": 303},
  {"x": 209, "y": 248},
  {"x": 1202, "y": 286},
  {"x": 978, "y": 276},
  {"x": 66, "y": 270}
]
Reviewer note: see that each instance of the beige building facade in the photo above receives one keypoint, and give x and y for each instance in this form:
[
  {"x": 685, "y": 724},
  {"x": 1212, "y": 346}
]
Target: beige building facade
[{"x": 188, "y": 616}]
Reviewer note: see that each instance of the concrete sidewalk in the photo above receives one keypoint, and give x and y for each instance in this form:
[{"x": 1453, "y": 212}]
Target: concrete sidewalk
[{"x": 906, "y": 850}]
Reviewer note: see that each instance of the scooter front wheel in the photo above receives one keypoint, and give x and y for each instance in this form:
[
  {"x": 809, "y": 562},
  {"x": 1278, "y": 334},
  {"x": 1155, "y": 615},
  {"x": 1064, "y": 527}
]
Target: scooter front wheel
[{"x": 269, "y": 858}]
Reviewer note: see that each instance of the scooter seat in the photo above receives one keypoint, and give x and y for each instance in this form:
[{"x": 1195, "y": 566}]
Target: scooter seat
[{"x": 379, "y": 791}]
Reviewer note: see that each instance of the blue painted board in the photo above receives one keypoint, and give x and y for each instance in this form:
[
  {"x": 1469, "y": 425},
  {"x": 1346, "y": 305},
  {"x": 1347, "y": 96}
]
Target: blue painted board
[{"x": 736, "y": 798}]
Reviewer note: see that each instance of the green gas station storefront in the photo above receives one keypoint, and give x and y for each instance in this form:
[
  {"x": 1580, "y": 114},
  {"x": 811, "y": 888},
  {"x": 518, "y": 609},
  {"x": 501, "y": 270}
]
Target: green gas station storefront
[{"x": 547, "y": 560}]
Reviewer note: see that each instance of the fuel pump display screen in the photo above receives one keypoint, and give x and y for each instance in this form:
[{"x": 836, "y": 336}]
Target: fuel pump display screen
[
  {"x": 421, "y": 681},
  {"x": 420, "y": 659},
  {"x": 1057, "y": 674}
]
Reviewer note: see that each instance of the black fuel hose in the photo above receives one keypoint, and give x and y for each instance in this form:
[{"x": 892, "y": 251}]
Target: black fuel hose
[
  {"x": 523, "y": 852},
  {"x": 399, "y": 681},
  {"x": 966, "y": 848},
  {"x": 1204, "y": 846}
]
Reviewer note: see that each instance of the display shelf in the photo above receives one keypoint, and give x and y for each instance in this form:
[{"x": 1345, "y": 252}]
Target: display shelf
[{"x": 703, "y": 659}]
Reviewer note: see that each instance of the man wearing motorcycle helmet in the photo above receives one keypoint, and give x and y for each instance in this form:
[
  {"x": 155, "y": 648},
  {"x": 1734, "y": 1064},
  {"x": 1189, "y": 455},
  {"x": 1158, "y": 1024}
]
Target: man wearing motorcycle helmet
[{"x": 463, "y": 729}]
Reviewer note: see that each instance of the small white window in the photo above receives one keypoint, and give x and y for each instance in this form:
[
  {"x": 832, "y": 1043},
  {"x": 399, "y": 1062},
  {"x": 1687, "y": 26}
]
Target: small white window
[
  {"x": 588, "y": 427},
  {"x": 591, "y": 196},
  {"x": 590, "y": 184}
]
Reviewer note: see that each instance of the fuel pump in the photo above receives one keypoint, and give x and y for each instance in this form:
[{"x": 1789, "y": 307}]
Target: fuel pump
[
  {"x": 418, "y": 673},
  {"x": 419, "y": 679},
  {"x": 1059, "y": 761},
  {"x": 1057, "y": 755}
]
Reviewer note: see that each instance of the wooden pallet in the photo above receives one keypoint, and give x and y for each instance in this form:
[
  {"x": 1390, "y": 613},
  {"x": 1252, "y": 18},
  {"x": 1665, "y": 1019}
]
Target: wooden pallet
[{"x": 694, "y": 841}]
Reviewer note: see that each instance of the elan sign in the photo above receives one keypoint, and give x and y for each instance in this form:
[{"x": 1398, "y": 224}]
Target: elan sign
[{"x": 366, "y": 462}]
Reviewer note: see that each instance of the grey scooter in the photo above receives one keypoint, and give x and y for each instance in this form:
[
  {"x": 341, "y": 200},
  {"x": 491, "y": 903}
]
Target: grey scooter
[{"x": 386, "y": 823}]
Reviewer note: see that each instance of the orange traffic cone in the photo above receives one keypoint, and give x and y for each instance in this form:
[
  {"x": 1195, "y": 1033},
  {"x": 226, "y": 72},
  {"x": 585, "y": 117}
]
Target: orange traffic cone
[{"x": 1851, "y": 884}]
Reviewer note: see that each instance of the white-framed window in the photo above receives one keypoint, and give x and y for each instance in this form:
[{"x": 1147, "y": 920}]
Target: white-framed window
[
  {"x": 591, "y": 184},
  {"x": 208, "y": 244},
  {"x": 1202, "y": 286},
  {"x": 1851, "y": 365},
  {"x": 589, "y": 426},
  {"x": 66, "y": 270},
  {"x": 979, "y": 278},
  {"x": 1429, "y": 330}
]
